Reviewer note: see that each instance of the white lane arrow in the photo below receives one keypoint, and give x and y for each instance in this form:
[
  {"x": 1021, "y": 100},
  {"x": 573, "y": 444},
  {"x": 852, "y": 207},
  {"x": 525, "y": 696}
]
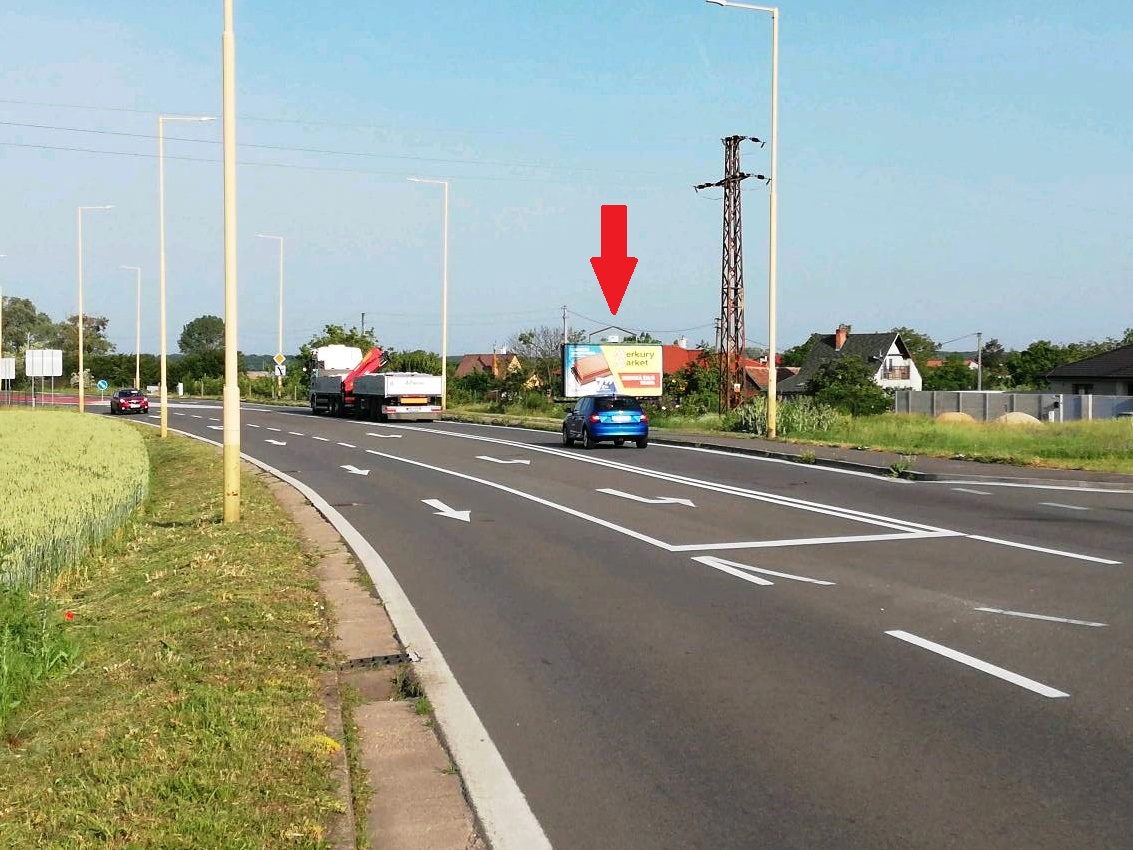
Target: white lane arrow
[
  {"x": 660, "y": 500},
  {"x": 745, "y": 572},
  {"x": 446, "y": 511},
  {"x": 277, "y": 442},
  {"x": 385, "y": 436},
  {"x": 355, "y": 470},
  {"x": 501, "y": 460}
]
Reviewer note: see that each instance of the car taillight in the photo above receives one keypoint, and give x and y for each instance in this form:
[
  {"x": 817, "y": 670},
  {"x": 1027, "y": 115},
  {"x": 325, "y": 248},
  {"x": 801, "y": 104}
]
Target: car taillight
[
  {"x": 645, "y": 417},
  {"x": 594, "y": 417}
]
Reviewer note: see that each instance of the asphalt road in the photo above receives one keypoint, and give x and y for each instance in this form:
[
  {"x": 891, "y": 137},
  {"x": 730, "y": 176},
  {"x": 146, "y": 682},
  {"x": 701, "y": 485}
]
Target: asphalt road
[{"x": 681, "y": 649}]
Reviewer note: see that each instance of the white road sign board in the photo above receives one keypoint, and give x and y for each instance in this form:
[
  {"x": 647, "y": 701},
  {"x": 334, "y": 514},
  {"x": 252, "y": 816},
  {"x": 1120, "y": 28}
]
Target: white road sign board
[{"x": 43, "y": 363}]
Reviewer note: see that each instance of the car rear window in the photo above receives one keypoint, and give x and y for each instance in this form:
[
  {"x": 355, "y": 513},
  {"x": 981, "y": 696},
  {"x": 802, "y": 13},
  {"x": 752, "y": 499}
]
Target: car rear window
[
  {"x": 618, "y": 403},
  {"x": 130, "y": 393}
]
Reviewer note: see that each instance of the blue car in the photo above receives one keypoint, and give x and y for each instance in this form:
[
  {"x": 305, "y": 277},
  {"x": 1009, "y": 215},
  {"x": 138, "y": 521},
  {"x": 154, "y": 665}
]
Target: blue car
[{"x": 614, "y": 418}]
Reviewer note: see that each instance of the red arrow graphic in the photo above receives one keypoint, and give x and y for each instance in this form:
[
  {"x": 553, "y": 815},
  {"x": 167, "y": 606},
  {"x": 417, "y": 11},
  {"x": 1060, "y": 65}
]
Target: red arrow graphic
[{"x": 614, "y": 269}]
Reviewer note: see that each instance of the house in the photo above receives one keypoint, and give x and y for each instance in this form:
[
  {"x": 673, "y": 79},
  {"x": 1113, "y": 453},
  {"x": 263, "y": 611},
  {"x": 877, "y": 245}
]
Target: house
[
  {"x": 757, "y": 376},
  {"x": 937, "y": 362},
  {"x": 674, "y": 358},
  {"x": 1109, "y": 373},
  {"x": 886, "y": 352},
  {"x": 497, "y": 365}
]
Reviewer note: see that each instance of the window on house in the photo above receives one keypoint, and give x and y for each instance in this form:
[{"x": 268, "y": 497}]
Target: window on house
[{"x": 1083, "y": 389}]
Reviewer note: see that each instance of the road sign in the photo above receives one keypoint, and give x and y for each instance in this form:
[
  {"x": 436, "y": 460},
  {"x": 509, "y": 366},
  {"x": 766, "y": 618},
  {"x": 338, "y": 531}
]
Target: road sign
[
  {"x": 279, "y": 359},
  {"x": 102, "y": 385},
  {"x": 7, "y": 368},
  {"x": 43, "y": 363},
  {"x": 280, "y": 370}
]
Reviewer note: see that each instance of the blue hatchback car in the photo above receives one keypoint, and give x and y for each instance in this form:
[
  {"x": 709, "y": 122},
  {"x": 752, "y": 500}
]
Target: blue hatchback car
[{"x": 614, "y": 418}]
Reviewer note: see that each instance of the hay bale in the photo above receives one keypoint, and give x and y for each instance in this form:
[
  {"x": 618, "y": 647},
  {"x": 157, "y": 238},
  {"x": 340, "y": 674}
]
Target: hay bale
[
  {"x": 1017, "y": 417},
  {"x": 955, "y": 416}
]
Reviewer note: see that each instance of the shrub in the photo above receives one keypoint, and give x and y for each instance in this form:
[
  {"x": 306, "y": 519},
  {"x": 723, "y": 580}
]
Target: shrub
[{"x": 795, "y": 416}]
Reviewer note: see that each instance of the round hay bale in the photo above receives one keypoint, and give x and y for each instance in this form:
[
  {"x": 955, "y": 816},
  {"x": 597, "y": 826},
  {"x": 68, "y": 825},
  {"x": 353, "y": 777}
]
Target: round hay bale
[
  {"x": 1017, "y": 417},
  {"x": 955, "y": 416}
]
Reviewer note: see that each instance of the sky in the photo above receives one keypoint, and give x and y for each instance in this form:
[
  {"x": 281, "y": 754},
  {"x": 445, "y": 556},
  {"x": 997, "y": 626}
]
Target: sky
[{"x": 953, "y": 168}]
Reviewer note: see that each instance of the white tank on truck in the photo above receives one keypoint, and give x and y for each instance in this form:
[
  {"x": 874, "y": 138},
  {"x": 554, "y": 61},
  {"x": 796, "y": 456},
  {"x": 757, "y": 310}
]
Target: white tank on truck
[{"x": 414, "y": 396}]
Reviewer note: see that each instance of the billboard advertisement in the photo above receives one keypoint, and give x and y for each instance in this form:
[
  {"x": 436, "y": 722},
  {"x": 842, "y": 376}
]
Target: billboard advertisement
[{"x": 608, "y": 369}]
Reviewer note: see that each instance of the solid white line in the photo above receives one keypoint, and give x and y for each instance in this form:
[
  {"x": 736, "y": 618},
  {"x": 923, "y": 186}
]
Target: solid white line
[
  {"x": 499, "y": 803},
  {"x": 347, "y": 445},
  {"x": 812, "y": 541},
  {"x": 720, "y": 563},
  {"x": 321, "y": 439},
  {"x": 983, "y": 666},
  {"x": 1064, "y": 554},
  {"x": 726, "y": 567},
  {"x": 969, "y": 490},
  {"x": 1060, "y": 505},
  {"x": 1043, "y": 617}
]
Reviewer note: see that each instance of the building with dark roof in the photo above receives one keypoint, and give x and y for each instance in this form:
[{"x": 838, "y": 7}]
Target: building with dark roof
[
  {"x": 1109, "y": 373},
  {"x": 886, "y": 352}
]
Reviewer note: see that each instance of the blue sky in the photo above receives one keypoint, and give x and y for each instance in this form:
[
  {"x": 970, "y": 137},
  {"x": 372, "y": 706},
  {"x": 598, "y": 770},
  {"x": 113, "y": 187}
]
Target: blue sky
[{"x": 966, "y": 167}]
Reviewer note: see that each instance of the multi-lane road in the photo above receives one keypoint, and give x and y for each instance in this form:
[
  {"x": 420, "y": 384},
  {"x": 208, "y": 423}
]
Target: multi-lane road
[{"x": 674, "y": 648}]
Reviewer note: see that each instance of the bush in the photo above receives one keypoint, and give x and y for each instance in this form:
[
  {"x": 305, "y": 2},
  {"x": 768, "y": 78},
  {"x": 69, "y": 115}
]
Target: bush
[
  {"x": 34, "y": 645},
  {"x": 795, "y": 416}
]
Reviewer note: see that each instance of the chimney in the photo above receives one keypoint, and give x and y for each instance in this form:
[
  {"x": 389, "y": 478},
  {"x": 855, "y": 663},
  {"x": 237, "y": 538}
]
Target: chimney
[
  {"x": 840, "y": 336},
  {"x": 682, "y": 342}
]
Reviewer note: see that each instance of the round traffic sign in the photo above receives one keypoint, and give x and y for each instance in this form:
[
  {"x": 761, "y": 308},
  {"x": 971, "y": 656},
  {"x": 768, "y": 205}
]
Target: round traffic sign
[{"x": 103, "y": 385}]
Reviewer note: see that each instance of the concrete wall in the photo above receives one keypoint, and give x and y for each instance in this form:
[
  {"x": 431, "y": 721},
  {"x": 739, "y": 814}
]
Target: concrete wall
[{"x": 986, "y": 406}]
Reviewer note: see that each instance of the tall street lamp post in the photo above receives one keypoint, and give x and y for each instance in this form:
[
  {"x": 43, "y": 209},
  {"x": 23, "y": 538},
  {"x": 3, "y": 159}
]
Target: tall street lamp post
[
  {"x": 773, "y": 236},
  {"x": 444, "y": 294},
  {"x": 161, "y": 119},
  {"x": 279, "y": 339},
  {"x": 137, "y": 327},
  {"x": 231, "y": 344},
  {"x": 82, "y": 374}
]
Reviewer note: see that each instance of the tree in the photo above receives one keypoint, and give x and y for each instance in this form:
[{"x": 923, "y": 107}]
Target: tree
[
  {"x": 797, "y": 355},
  {"x": 921, "y": 346},
  {"x": 415, "y": 361},
  {"x": 846, "y": 383},
  {"x": 1029, "y": 366},
  {"x": 644, "y": 338},
  {"x": 952, "y": 374},
  {"x": 541, "y": 350},
  {"x": 204, "y": 333},
  {"x": 94, "y": 335},
  {"x": 993, "y": 355},
  {"x": 21, "y": 319}
]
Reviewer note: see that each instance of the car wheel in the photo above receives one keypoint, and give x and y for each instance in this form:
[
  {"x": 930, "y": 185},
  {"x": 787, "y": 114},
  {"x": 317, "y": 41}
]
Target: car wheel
[
  {"x": 567, "y": 441},
  {"x": 619, "y": 441},
  {"x": 588, "y": 441},
  {"x": 642, "y": 442}
]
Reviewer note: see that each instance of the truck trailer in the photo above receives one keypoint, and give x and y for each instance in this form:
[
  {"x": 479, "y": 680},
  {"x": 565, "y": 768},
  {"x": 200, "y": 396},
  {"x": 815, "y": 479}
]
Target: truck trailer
[
  {"x": 413, "y": 396},
  {"x": 334, "y": 369}
]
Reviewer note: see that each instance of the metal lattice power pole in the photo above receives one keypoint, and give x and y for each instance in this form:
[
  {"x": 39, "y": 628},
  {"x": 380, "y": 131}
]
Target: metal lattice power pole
[{"x": 731, "y": 336}]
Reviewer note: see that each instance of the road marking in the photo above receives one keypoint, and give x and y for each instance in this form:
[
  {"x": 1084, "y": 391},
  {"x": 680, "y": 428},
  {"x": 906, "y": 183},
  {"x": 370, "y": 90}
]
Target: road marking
[
  {"x": 970, "y": 490},
  {"x": 721, "y": 564},
  {"x": 1060, "y": 505},
  {"x": 321, "y": 439},
  {"x": 983, "y": 666},
  {"x": 499, "y": 804},
  {"x": 296, "y": 434},
  {"x": 153, "y": 416},
  {"x": 1070, "y": 489},
  {"x": 813, "y": 541},
  {"x": 384, "y": 436},
  {"x": 348, "y": 445},
  {"x": 727, "y": 567},
  {"x": 213, "y": 419},
  {"x": 1042, "y": 549},
  {"x": 196, "y": 416},
  {"x": 250, "y": 425},
  {"x": 501, "y": 460},
  {"x": 1043, "y": 617},
  {"x": 355, "y": 470},
  {"x": 277, "y": 442},
  {"x": 178, "y": 413},
  {"x": 216, "y": 427},
  {"x": 445, "y": 511},
  {"x": 660, "y": 500},
  {"x": 273, "y": 429}
]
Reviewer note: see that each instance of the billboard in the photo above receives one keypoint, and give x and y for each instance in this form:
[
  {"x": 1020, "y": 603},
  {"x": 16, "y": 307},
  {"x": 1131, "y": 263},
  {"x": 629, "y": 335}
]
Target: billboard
[
  {"x": 622, "y": 368},
  {"x": 43, "y": 363}
]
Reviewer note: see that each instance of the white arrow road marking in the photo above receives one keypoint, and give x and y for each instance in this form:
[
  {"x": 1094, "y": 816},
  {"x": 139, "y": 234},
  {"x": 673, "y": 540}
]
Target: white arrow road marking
[
  {"x": 277, "y": 442},
  {"x": 355, "y": 470},
  {"x": 983, "y": 666},
  {"x": 501, "y": 460},
  {"x": 217, "y": 427},
  {"x": 445, "y": 511},
  {"x": 385, "y": 436},
  {"x": 734, "y": 568},
  {"x": 660, "y": 500},
  {"x": 1043, "y": 617}
]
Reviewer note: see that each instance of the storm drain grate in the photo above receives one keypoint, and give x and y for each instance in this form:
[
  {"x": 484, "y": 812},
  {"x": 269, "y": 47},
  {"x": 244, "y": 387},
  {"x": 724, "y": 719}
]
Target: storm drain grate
[{"x": 378, "y": 661}]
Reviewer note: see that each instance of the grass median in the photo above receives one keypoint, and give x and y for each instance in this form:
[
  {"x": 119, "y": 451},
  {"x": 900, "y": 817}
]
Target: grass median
[{"x": 190, "y": 714}]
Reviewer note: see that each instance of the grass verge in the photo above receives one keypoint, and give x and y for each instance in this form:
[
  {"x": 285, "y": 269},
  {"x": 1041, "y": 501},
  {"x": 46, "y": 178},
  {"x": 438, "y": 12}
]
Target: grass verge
[{"x": 193, "y": 719}]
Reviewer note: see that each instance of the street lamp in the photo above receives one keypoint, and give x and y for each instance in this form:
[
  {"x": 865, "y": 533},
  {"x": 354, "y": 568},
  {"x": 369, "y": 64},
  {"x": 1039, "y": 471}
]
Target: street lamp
[
  {"x": 2, "y": 256},
  {"x": 137, "y": 328},
  {"x": 231, "y": 342},
  {"x": 444, "y": 293},
  {"x": 773, "y": 194},
  {"x": 164, "y": 392},
  {"x": 82, "y": 374},
  {"x": 279, "y": 340}
]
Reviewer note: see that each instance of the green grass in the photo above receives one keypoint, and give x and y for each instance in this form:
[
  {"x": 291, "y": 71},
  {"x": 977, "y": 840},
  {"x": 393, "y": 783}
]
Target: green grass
[
  {"x": 193, "y": 719},
  {"x": 1100, "y": 445}
]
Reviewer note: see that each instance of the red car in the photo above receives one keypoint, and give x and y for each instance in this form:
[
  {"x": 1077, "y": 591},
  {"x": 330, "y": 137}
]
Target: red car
[{"x": 129, "y": 400}]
